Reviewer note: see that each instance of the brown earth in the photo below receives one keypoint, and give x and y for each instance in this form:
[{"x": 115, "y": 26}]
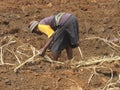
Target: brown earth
[{"x": 97, "y": 18}]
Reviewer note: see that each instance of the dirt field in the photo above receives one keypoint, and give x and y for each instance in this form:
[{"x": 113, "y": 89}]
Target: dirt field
[{"x": 99, "y": 23}]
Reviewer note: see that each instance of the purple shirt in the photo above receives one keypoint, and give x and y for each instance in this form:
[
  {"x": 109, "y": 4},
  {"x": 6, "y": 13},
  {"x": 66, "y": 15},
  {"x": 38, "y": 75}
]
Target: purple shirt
[{"x": 47, "y": 20}]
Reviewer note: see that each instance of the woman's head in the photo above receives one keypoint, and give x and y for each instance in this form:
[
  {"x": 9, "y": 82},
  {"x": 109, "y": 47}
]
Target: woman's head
[{"x": 33, "y": 27}]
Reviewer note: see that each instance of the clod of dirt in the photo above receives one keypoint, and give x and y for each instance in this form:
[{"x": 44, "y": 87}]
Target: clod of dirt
[
  {"x": 117, "y": 64},
  {"x": 5, "y": 22},
  {"x": 49, "y": 4},
  {"x": 3, "y": 42},
  {"x": 7, "y": 82},
  {"x": 11, "y": 31},
  {"x": 84, "y": 9},
  {"x": 107, "y": 72},
  {"x": 45, "y": 88},
  {"x": 14, "y": 30}
]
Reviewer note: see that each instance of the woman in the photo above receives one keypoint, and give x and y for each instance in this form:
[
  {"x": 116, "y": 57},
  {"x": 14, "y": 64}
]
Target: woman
[{"x": 63, "y": 33}]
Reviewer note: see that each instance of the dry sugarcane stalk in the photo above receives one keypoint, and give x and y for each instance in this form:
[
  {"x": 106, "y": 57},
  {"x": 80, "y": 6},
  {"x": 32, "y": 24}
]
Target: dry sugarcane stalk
[
  {"x": 8, "y": 43},
  {"x": 114, "y": 44},
  {"x": 112, "y": 47},
  {"x": 2, "y": 62},
  {"x": 108, "y": 42},
  {"x": 33, "y": 50},
  {"x": 56, "y": 85},
  {"x": 80, "y": 52},
  {"x": 23, "y": 46},
  {"x": 52, "y": 61},
  {"x": 106, "y": 87},
  {"x": 8, "y": 64},
  {"x": 108, "y": 84},
  {"x": 28, "y": 60},
  {"x": 2, "y": 49},
  {"x": 97, "y": 60},
  {"x": 11, "y": 51},
  {"x": 11, "y": 37},
  {"x": 91, "y": 76},
  {"x": 119, "y": 77},
  {"x": 45, "y": 57},
  {"x": 31, "y": 59},
  {"x": 109, "y": 81},
  {"x": 78, "y": 87},
  {"x": 22, "y": 53}
]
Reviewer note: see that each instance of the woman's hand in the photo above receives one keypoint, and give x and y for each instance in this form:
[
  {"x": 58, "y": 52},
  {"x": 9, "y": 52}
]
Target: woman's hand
[{"x": 42, "y": 52}]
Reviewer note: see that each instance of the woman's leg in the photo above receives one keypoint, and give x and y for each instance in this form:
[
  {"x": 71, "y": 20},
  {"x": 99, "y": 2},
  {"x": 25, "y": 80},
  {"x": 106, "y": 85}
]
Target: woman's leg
[
  {"x": 54, "y": 56},
  {"x": 69, "y": 52}
]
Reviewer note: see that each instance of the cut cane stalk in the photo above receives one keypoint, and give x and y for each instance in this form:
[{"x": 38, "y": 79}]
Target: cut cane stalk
[
  {"x": 7, "y": 64},
  {"x": 31, "y": 59},
  {"x": 22, "y": 53},
  {"x": 52, "y": 61},
  {"x": 2, "y": 62},
  {"x": 28, "y": 60},
  {"x": 80, "y": 52},
  {"x": 97, "y": 60},
  {"x": 10, "y": 42},
  {"x": 15, "y": 56}
]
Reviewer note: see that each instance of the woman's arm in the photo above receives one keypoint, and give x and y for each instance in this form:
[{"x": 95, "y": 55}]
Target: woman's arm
[{"x": 43, "y": 50}]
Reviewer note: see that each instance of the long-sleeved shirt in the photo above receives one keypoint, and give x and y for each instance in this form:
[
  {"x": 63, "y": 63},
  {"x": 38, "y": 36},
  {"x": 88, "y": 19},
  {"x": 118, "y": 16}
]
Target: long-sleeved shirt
[{"x": 46, "y": 25}]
